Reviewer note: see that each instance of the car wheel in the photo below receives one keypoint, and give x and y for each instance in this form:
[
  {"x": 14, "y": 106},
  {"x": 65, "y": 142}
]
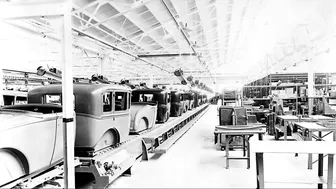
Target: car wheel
[{"x": 10, "y": 166}]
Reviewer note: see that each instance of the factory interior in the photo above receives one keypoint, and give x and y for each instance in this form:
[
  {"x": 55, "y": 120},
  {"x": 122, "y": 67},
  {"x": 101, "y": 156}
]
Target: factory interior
[{"x": 167, "y": 94}]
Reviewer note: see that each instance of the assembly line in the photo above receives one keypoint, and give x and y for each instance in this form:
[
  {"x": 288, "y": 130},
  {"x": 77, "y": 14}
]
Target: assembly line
[
  {"x": 167, "y": 94},
  {"x": 103, "y": 144}
]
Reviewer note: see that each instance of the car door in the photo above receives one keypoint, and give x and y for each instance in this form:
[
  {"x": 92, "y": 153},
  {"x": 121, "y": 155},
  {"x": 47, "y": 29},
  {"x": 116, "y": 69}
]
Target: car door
[
  {"x": 58, "y": 145},
  {"x": 121, "y": 113}
]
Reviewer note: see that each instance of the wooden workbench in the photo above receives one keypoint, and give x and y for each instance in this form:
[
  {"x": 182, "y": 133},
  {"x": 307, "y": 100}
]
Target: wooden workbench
[
  {"x": 281, "y": 127},
  {"x": 282, "y": 124},
  {"x": 307, "y": 129},
  {"x": 321, "y": 118},
  {"x": 244, "y": 131},
  {"x": 306, "y": 147}
]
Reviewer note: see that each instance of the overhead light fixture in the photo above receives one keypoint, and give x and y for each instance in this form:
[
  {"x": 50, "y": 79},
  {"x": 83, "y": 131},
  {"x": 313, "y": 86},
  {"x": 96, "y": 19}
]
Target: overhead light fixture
[
  {"x": 195, "y": 45},
  {"x": 185, "y": 28}
]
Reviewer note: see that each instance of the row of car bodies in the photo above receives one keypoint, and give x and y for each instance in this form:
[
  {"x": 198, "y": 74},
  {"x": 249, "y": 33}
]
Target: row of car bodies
[
  {"x": 104, "y": 114},
  {"x": 169, "y": 103},
  {"x": 31, "y": 137}
]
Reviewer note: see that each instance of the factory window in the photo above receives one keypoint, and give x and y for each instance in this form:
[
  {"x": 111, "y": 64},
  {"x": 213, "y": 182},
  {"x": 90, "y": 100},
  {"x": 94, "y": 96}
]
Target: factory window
[
  {"x": 107, "y": 106},
  {"x": 120, "y": 100}
]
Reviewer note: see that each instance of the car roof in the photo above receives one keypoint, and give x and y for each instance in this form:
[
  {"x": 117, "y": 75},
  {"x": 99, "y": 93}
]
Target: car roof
[
  {"x": 83, "y": 88},
  {"x": 149, "y": 90},
  {"x": 42, "y": 108}
]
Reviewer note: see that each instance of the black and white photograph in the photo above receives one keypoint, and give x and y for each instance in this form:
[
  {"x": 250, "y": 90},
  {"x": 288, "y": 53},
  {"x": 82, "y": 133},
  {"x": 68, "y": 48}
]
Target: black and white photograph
[{"x": 100, "y": 94}]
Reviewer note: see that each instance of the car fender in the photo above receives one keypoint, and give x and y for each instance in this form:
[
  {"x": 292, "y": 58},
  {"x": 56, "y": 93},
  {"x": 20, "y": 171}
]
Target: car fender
[{"x": 148, "y": 112}]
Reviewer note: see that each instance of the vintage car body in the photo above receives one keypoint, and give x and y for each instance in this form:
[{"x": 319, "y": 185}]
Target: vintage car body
[
  {"x": 176, "y": 103},
  {"x": 189, "y": 98},
  {"x": 143, "y": 116},
  {"x": 204, "y": 99},
  {"x": 185, "y": 102},
  {"x": 199, "y": 100},
  {"x": 159, "y": 96},
  {"x": 196, "y": 100},
  {"x": 102, "y": 113},
  {"x": 31, "y": 139}
]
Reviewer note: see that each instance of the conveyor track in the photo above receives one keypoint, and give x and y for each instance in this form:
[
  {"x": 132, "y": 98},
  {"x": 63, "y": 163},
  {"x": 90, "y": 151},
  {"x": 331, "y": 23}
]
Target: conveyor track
[{"x": 107, "y": 164}]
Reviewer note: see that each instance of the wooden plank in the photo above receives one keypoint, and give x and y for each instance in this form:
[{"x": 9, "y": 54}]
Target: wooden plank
[
  {"x": 240, "y": 132},
  {"x": 330, "y": 171},
  {"x": 305, "y": 147},
  {"x": 314, "y": 126},
  {"x": 248, "y": 126},
  {"x": 288, "y": 117},
  {"x": 297, "y": 137},
  {"x": 260, "y": 170},
  {"x": 321, "y": 118},
  {"x": 308, "y": 178}
]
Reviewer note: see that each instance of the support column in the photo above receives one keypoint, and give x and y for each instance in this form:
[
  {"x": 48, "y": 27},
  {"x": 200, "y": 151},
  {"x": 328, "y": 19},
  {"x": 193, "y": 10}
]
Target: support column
[
  {"x": 310, "y": 82},
  {"x": 68, "y": 99},
  {"x": 103, "y": 64},
  {"x": 151, "y": 81},
  {"x": 333, "y": 81},
  {"x": 1, "y": 86},
  {"x": 4, "y": 58}
]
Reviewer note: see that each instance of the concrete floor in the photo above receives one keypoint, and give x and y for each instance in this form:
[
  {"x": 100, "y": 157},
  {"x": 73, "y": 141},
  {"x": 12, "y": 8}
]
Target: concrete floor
[{"x": 195, "y": 162}]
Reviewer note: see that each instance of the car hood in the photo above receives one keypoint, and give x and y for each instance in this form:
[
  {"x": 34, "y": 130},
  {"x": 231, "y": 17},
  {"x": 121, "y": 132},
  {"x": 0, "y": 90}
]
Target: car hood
[{"x": 11, "y": 118}]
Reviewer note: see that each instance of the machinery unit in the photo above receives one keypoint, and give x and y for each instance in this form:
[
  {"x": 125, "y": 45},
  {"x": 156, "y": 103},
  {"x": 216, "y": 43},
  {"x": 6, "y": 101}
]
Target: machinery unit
[{"x": 229, "y": 115}]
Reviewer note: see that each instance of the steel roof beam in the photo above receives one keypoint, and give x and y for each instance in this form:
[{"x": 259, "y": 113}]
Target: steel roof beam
[
  {"x": 121, "y": 13},
  {"x": 133, "y": 17},
  {"x": 113, "y": 46},
  {"x": 166, "y": 55},
  {"x": 187, "y": 39},
  {"x": 205, "y": 21},
  {"x": 119, "y": 49},
  {"x": 150, "y": 29}
]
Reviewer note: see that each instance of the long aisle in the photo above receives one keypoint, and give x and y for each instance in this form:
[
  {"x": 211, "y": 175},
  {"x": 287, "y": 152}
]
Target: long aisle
[{"x": 193, "y": 161}]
